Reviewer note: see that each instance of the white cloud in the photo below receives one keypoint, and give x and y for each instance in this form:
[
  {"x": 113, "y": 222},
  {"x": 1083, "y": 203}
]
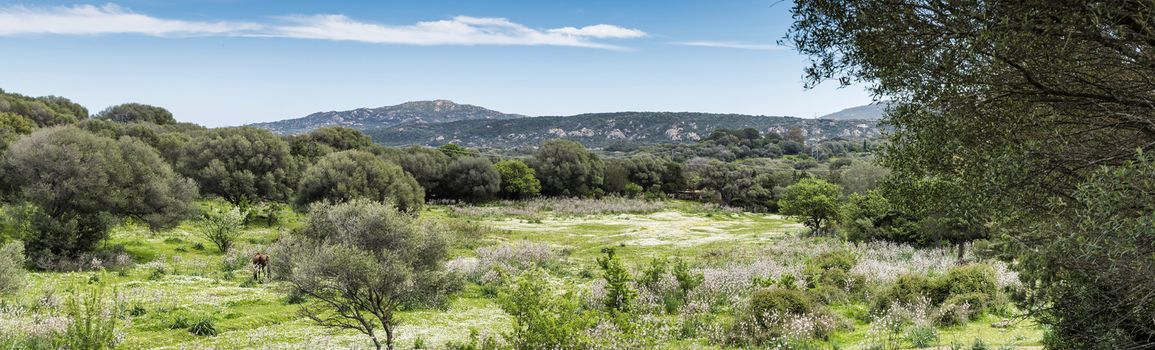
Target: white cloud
[
  {"x": 461, "y": 30},
  {"x": 106, "y": 19},
  {"x": 600, "y": 31},
  {"x": 731, "y": 45}
]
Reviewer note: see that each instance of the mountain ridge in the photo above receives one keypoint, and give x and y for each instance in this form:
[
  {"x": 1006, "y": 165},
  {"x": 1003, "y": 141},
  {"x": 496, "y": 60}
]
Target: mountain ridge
[{"x": 411, "y": 112}]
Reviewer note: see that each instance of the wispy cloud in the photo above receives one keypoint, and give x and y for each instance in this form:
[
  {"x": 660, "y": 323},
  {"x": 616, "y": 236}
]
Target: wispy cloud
[
  {"x": 106, "y": 19},
  {"x": 461, "y": 30},
  {"x": 731, "y": 45}
]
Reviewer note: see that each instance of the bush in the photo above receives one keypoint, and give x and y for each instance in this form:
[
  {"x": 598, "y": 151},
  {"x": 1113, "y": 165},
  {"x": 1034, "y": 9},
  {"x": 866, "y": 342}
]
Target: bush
[
  {"x": 544, "y": 319},
  {"x": 907, "y": 289},
  {"x": 974, "y": 278},
  {"x": 778, "y": 301},
  {"x": 222, "y": 226},
  {"x": 347, "y": 175},
  {"x": 11, "y": 267}
]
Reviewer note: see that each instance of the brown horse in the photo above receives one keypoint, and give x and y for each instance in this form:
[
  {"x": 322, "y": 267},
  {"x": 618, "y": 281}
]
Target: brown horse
[{"x": 261, "y": 262}]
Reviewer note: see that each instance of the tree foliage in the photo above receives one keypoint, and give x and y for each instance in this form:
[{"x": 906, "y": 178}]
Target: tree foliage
[
  {"x": 136, "y": 113},
  {"x": 44, "y": 111},
  {"x": 81, "y": 184},
  {"x": 814, "y": 201},
  {"x": 517, "y": 179},
  {"x": 1004, "y": 108},
  {"x": 360, "y": 262},
  {"x": 566, "y": 168},
  {"x": 426, "y": 164},
  {"x": 240, "y": 164},
  {"x": 472, "y": 179},
  {"x": 348, "y": 175}
]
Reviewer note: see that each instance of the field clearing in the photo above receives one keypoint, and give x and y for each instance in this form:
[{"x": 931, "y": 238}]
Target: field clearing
[{"x": 178, "y": 275}]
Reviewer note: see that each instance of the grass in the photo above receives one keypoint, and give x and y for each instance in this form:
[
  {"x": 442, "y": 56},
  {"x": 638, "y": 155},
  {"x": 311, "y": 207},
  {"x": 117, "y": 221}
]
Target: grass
[{"x": 256, "y": 315}]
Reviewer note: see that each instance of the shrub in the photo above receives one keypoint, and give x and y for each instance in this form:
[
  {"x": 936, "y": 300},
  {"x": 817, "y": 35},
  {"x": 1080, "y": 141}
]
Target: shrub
[
  {"x": 779, "y": 301},
  {"x": 907, "y": 289},
  {"x": 620, "y": 293},
  {"x": 11, "y": 267},
  {"x": 974, "y": 278},
  {"x": 221, "y": 227},
  {"x": 544, "y": 319}
]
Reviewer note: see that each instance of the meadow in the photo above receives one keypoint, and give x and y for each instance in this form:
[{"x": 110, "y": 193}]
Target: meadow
[{"x": 175, "y": 290}]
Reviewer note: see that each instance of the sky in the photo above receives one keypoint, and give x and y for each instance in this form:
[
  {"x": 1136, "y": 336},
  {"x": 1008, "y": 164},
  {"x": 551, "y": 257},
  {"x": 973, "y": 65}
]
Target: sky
[{"x": 233, "y": 62}]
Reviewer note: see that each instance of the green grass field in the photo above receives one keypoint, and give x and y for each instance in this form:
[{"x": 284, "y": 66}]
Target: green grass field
[{"x": 178, "y": 276}]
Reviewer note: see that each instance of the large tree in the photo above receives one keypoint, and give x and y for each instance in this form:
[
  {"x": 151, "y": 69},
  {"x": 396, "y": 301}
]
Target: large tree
[
  {"x": 566, "y": 168},
  {"x": 472, "y": 179},
  {"x": 136, "y": 113},
  {"x": 79, "y": 185},
  {"x": 241, "y": 165},
  {"x": 347, "y": 175},
  {"x": 360, "y": 262},
  {"x": 814, "y": 201},
  {"x": 1015, "y": 103},
  {"x": 427, "y": 165},
  {"x": 517, "y": 179}
]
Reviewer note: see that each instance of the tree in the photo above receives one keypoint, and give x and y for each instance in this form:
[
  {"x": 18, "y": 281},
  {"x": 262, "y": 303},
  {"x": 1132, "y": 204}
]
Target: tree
[
  {"x": 221, "y": 226},
  {"x": 871, "y": 216},
  {"x": 620, "y": 293},
  {"x": 360, "y": 262},
  {"x": 566, "y": 168},
  {"x": 1015, "y": 102},
  {"x": 136, "y": 113},
  {"x": 737, "y": 185},
  {"x": 341, "y": 138},
  {"x": 241, "y": 165},
  {"x": 472, "y": 179},
  {"x": 517, "y": 179},
  {"x": 453, "y": 150},
  {"x": 348, "y": 175},
  {"x": 860, "y": 177},
  {"x": 44, "y": 111},
  {"x": 544, "y": 318},
  {"x": 426, "y": 164},
  {"x": 12, "y": 126},
  {"x": 80, "y": 185},
  {"x": 814, "y": 201}
]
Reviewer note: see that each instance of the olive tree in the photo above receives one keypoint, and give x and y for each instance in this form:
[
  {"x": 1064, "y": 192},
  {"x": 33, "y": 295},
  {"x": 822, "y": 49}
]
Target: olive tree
[
  {"x": 136, "y": 113},
  {"x": 814, "y": 201},
  {"x": 221, "y": 226},
  {"x": 352, "y": 174},
  {"x": 241, "y": 165},
  {"x": 359, "y": 263},
  {"x": 517, "y": 179},
  {"x": 566, "y": 168},
  {"x": 472, "y": 179},
  {"x": 79, "y": 185}
]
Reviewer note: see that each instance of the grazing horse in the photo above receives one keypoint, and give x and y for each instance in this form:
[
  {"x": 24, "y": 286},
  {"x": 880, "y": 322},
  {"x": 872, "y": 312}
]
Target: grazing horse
[{"x": 261, "y": 262}]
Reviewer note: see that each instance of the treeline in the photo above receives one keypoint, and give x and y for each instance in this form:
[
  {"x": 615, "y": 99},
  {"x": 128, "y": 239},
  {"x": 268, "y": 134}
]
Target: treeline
[{"x": 737, "y": 144}]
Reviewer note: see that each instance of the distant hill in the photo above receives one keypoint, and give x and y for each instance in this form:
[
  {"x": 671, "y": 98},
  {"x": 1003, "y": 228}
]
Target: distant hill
[
  {"x": 873, "y": 111},
  {"x": 417, "y": 112},
  {"x": 601, "y": 129}
]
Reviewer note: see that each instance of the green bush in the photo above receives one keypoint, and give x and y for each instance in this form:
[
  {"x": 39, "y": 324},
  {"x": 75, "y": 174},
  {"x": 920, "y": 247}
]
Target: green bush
[
  {"x": 829, "y": 294},
  {"x": 906, "y": 289},
  {"x": 833, "y": 269},
  {"x": 974, "y": 278},
  {"x": 778, "y": 301}
]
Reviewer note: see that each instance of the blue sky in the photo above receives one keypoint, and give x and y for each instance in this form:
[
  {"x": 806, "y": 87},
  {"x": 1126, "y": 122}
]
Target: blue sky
[{"x": 231, "y": 62}]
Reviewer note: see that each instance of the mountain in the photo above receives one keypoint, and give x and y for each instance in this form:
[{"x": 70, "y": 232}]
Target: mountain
[
  {"x": 602, "y": 129},
  {"x": 873, "y": 111},
  {"x": 417, "y": 112}
]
